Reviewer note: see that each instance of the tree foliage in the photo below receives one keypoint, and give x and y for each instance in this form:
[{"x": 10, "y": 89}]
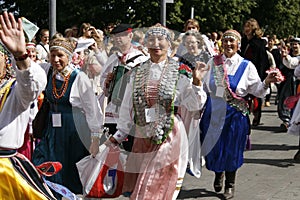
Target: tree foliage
[{"x": 279, "y": 17}]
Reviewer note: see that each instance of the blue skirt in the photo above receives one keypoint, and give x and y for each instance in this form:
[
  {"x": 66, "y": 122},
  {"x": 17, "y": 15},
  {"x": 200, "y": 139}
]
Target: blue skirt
[
  {"x": 227, "y": 153},
  {"x": 63, "y": 144}
]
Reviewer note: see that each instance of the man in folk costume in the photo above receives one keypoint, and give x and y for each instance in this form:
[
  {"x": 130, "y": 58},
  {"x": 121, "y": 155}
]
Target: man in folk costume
[
  {"x": 126, "y": 57},
  {"x": 20, "y": 179},
  {"x": 225, "y": 121}
]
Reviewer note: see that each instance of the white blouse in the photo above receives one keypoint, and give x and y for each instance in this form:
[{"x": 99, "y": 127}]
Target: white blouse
[
  {"x": 291, "y": 62},
  {"x": 188, "y": 95},
  {"x": 14, "y": 116},
  {"x": 250, "y": 82}
]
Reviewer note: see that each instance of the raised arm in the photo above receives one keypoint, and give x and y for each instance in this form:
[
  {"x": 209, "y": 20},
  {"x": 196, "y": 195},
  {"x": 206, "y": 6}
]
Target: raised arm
[{"x": 12, "y": 36}]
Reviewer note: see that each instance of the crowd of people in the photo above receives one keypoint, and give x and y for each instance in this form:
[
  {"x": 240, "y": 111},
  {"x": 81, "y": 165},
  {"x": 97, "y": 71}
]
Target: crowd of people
[{"x": 148, "y": 88}]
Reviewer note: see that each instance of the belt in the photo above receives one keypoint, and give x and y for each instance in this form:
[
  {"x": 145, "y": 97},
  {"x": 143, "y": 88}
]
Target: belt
[
  {"x": 176, "y": 109},
  {"x": 7, "y": 152}
]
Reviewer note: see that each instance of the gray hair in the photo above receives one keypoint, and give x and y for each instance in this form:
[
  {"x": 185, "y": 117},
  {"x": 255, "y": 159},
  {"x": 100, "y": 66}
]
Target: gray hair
[{"x": 197, "y": 35}]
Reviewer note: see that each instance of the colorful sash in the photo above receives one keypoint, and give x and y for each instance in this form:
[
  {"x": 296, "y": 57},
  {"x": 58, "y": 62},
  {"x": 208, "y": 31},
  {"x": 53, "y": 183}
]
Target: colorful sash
[
  {"x": 4, "y": 91},
  {"x": 222, "y": 79}
]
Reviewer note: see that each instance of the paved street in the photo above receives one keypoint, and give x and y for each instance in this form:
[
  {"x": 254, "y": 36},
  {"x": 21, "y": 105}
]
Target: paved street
[{"x": 269, "y": 172}]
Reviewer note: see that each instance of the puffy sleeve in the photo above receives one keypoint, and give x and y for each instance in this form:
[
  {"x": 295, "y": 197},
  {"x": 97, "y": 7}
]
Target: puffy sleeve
[
  {"x": 291, "y": 62},
  {"x": 126, "y": 114},
  {"x": 188, "y": 95},
  {"x": 82, "y": 96},
  {"x": 31, "y": 82},
  {"x": 251, "y": 83},
  {"x": 108, "y": 67}
]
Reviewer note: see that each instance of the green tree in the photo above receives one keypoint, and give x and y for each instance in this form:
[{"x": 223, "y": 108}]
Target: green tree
[{"x": 279, "y": 17}]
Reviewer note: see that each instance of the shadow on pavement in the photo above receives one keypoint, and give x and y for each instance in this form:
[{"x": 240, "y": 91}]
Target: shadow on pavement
[
  {"x": 274, "y": 147},
  {"x": 284, "y": 163},
  {"x": 195, "y": 193},
  {"x": 275, "y": 129}
]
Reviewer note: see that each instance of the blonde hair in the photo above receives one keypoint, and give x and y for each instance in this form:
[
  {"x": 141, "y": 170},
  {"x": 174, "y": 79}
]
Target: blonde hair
[{"x": 194, "y": 22}]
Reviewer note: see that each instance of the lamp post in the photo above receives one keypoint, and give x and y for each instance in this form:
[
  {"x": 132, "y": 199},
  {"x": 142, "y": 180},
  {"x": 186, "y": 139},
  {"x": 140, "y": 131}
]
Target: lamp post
[
  {"x": 163, "y": 11},
  {"x": 52, "y": 17},
  {"x": 192, "y": 12}
]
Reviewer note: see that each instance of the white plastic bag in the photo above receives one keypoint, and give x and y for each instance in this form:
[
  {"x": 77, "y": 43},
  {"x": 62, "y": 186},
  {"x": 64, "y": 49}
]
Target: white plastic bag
[{"x": 103, "y": 175}]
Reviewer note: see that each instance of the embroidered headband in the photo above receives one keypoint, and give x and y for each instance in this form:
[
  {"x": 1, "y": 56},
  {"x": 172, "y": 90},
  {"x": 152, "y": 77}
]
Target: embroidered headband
[
  {"x": 30, "y": 45},
  {"x": 63, "y": 45},
  {"x": 158, "y": 30},
  {"x": 232, "y": 34}
]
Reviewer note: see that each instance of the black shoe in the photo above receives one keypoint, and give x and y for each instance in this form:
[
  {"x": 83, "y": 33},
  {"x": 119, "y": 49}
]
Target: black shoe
[
  {"x": 218, "y": 183},
  {"x": 284, "y": 126},
  {"x": 297, "y": 156},
  {"x": 229, "y": 193},
  {"x": 255, "y": 122}
]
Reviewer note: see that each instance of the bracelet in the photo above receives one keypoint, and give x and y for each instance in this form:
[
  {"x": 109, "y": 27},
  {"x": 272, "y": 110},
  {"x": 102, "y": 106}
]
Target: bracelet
[
  {"x": 95, "y": 135},
  {"x": 22, "y": 57}
]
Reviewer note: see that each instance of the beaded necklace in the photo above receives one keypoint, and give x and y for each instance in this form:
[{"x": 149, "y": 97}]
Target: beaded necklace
[
  {"x": 158, "y": 130},
  {"x": 59, "y": 92}
]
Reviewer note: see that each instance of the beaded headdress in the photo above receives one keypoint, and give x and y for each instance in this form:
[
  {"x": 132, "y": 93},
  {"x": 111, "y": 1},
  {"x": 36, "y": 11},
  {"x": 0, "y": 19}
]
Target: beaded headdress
[
  {"x": 232, "y": 34},
  {"x": 158, "y": 30},
  {"x": 62, "y": 44}
]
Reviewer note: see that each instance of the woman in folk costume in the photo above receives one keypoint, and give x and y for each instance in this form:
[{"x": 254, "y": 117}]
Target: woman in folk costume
[
  {"x": 225, "y": 121},
  {"x": 156, "y": 166},
  {"x": 19, "y": 178},
  {"x": 75, "y": 118}
]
